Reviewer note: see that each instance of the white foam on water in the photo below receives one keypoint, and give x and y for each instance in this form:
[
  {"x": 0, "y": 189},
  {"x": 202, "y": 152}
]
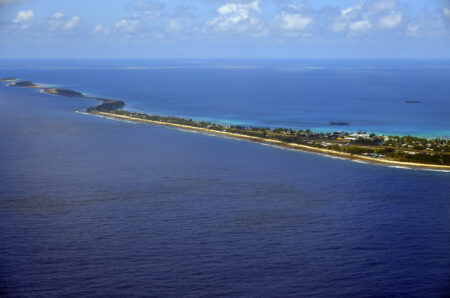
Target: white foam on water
[{"x": 270, "y": 145}]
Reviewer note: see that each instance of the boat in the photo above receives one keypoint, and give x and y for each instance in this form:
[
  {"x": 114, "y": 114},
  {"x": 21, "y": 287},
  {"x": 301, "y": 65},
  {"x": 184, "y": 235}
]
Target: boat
[
  {"x": 412, "y": 101},
  {"x": 339, "y": 123}
]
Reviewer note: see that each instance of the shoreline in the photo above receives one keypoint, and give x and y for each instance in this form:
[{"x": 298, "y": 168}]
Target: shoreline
[
  {"x": 277, "y": 143},
  {"x": 109, "y": 107}
]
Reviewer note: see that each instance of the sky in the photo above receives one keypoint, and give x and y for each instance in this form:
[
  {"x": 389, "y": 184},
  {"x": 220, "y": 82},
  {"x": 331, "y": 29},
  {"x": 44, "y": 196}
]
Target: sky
[{"x": 225, "y": 29}]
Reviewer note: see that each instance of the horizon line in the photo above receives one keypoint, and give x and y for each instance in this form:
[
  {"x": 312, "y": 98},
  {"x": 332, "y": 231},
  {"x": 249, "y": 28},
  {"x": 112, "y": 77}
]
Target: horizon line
[{"x": 220, "y": 58}]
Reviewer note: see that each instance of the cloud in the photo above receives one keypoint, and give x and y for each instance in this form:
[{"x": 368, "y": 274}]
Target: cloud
[
  {"x": 178, "y": 24},
  {"x": 236, "y": 16},
  {"x": 447, "y": 12},
  {"x": 429, "y": 25},
  {"x": 390, "y": 21},
  {"x": 384, "y": 5},
  {"x": 101, "y": 29},
  {"x": 148, "y": 9},
  {"x": 361, "y": 17},
  {"x": 360, "y": 26},
  {"x": 413, "y": 29},
  {"x": 24, "y": 16},
  {"x": 72, "y": 23},
  {"x": 339, "y": 27},
  {"x": 60, "y": 21},
  {"x": 128, "y": 25},
  {"x": 182, "y": 22},
  {"x": 293, "y": 21},
  {"x": 261, "y": 22},
  {"x": 58, "y": 15},
  {"x": 228, "y": 8},
  {"x": 350, "y": 19},
  {"x": 143, "y": 19},
  {"x": 351, "y": 12}
]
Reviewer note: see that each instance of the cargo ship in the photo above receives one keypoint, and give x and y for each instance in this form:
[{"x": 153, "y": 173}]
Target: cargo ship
[{"x": 339, "y": 123}]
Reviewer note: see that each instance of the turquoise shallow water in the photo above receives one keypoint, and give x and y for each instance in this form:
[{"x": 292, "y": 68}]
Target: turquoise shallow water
[
  {"x": 96, "y": 207},
  {"x": 369, "y": 94}
]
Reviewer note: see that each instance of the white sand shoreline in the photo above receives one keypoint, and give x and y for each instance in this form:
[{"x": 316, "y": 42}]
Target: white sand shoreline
[{"x": 280, "y": 144}]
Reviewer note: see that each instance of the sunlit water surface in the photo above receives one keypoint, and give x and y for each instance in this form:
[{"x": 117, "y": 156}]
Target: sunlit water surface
[{"x": 96, "y": 207}]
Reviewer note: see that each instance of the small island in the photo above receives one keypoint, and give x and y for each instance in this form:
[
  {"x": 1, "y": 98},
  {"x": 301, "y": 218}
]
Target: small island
[
  {"x": 106, "y": 105},
  {"x": 8, "y": 79},
  {"x": 64, "y": 92},
  {"x": 388, "y": 150},
  {"x": 24, "y": 84}
]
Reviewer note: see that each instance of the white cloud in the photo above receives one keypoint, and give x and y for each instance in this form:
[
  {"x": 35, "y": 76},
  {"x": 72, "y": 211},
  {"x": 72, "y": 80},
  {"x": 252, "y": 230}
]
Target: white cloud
[
  {"x": 343, "y": 21},
  {"x": 24, "y": 16},
  {"x": 360, "y": 26},
  {"x": 58, "y": 15},
  {"x": 413, "y": 29},
  {"x": 128, "y": 25},
  {"x": 236, "y": 16},
  {"x": 227, "y": 8},
  {"x": 72, "y": 23},
  {"x": 339, "y": 27},
  {"x": 447, "y": 12},
  {"x": 294, "y": 22},
  {"x": 390, "y": 21},
  {"x": 101, "y": 29},
  {"x": 178, "y": 24},
  {"x": 362, "y": 17},
  {"x": 384, "y": 5},
  {"x": 182, "y": 21},
  {"x": 174, "y": 25},
  {"x": 60, "y": 21},
  {"x": 98, "y": 28},
  {"x": 351, "y": 12},
  {"x": 148, "y": 9}
]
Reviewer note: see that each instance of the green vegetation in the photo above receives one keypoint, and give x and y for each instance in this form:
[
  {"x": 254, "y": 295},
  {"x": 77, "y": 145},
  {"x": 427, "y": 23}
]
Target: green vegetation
[
  {"x": 24, "y": 84},
  {"x": 66, "y": 92},
  {"x": 7, "y": 79},
  {"x": 415, "y": 143},
  {"x": 437, "y": 151},
  {"x": 396, "y": 148},
  {"x": 107, "y": 106}
]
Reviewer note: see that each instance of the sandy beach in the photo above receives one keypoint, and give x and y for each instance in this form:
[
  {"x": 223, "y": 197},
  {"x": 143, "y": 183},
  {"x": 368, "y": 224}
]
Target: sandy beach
[
  {"x": 293, "y": 146},
  {"x": 299, "y": 147}
]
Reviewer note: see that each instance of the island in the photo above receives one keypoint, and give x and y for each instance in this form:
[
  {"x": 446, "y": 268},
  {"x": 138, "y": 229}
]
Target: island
[
  {"x": 108, "y": 105},
  {"x": 64, "y": 92},
  {"x": 24, "y": 84},
  {"x": 406, "y": 151},
  {"x": 105, "y": 105},
  {"x": 8, "y": 79}
]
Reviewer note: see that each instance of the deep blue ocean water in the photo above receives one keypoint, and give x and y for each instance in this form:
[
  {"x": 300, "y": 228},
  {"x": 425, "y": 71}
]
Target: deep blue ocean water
[
  {"x": 95, "y": 207},
  {"x": 371, "y": 95}
]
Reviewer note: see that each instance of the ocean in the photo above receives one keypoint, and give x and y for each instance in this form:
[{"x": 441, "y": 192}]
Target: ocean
[
  {"x": 96, "y": 207},
  {"x": 370, "y": 95}
]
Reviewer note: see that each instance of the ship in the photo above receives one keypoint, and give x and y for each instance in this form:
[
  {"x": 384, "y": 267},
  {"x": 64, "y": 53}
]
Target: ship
[
  {"x": 412, "y": 101},
  {"x": 339, "y": 123}
]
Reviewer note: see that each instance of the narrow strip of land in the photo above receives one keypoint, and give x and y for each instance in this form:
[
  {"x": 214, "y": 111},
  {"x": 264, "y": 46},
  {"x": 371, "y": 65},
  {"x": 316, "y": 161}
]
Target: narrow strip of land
[
  {"x": 386, "y": 150},
  {"x": 278, "y": 143}
]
